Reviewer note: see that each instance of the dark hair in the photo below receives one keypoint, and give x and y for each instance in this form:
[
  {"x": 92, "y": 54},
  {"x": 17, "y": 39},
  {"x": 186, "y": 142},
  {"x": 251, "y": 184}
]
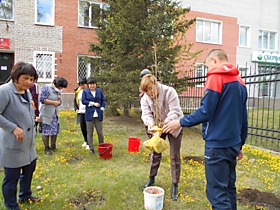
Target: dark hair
[
  {"x": 91, "y": 80},
  {"x": 22, "y": 68},
  {"x": 82, "y": 81},
  {"x": 60, "y": 82}
]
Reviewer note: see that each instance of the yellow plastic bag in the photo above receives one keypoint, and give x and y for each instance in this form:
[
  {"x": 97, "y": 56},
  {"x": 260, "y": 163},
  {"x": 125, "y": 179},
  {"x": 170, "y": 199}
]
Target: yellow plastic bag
[{"x": 156, "y": 143}]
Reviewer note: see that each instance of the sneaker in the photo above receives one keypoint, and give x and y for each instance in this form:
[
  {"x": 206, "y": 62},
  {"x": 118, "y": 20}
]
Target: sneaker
[
  {"x": 84, "y": 144},
  {"x": 91, "y": 151},
  {"x": 87, "y": 147}
]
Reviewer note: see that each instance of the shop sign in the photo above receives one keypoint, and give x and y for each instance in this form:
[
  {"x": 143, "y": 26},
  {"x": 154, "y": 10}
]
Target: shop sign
[
  {"x": 265, "y": 57},
  {"x": 4, "y": 43}
]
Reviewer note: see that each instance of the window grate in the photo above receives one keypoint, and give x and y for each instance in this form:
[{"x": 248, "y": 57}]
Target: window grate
[{"x": 44, "y": 65}]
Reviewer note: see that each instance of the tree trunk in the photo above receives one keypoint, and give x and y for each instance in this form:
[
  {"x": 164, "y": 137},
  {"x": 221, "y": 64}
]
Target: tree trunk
[{"x": 126, "y": 110}]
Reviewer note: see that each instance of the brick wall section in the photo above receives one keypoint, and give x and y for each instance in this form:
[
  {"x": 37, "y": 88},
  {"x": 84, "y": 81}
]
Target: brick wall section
[
  {"x": 75, "y": 41},
  {"x": 230, "y": 37},
  {"x": 26, "y": 37}
]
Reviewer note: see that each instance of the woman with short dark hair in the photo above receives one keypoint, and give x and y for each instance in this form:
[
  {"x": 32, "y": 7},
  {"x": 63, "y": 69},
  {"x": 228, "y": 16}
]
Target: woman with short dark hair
[
  {"x": 17, "y": 127},
  {"x": 95, "y": 103},
  {"x": 50, "y": 98}
]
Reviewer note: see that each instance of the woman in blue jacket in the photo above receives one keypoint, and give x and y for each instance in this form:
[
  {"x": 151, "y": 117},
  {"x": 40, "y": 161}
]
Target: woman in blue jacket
[{"x": 95, "y": 103}]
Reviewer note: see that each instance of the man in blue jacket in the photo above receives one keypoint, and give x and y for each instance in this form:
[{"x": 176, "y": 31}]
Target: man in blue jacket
[{"x": 223, "y": 115}]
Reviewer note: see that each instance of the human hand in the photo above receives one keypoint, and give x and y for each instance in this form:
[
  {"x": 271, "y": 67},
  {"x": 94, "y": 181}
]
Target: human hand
[
  {"x": 37, "y": 119},
  {"x": 161, "y": 124},
  {"x": 96, "y": 104},
  {"x": 150, "y": 127},
  {"x": 171, "y": 126},
  {"x": 77, "y": 110},
  {"x": 240, "y": 155},
  {"x": 56, "y": 103},
  {"x": 18, "y": 132}
]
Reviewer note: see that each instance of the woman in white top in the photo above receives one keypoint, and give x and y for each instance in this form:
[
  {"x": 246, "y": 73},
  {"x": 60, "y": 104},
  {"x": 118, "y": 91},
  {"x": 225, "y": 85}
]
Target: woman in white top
[{"x": 80, "y": 109}]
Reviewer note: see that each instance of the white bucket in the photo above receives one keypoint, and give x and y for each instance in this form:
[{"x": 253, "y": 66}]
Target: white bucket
[{"x": 153, "y": 198}]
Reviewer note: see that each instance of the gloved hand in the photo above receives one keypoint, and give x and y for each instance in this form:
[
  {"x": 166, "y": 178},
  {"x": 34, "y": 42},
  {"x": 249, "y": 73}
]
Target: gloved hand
[{"x": 91, "y": 103}]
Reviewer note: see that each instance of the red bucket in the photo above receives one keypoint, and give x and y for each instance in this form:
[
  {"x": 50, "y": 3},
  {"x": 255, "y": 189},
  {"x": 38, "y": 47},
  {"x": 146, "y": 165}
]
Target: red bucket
[
  {"x": 133, "y": 144},
  {"x": 105, "y": 150}
]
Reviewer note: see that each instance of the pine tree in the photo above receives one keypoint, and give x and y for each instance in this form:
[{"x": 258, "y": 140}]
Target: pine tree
[{"x": 138, "y": 34}]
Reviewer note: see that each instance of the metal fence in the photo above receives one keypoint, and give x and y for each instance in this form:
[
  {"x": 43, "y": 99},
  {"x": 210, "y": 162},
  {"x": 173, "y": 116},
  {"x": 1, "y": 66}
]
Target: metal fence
[{"x": 263, "y": 86}]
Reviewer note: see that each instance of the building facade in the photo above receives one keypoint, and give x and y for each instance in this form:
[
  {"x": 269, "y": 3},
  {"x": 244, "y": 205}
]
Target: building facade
[
  {"x": 54, "y": 36},
  {"x": 248, "y": 31}
]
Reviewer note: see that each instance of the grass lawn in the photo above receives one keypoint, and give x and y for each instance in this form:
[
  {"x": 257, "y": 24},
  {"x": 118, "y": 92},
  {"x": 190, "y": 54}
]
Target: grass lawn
[{"x": 72, "y": 178}]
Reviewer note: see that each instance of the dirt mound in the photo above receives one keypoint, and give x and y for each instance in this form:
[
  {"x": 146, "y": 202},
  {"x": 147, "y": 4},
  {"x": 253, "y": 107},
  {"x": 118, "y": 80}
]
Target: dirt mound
[
  {"x": 258, "y": 198},
  {"x": 193, "y": 158},
  {"x": 87, "y": 199}
]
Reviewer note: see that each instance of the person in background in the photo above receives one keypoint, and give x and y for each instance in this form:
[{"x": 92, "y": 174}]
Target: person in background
[
  {"x": 34, "y": 90},
  {"x": 95, "y": 103},
  {"x": 80, "y": 109},
  {"x": 50, "y": 98},
  {"x": 17, "y": 140},
  {"x": 223, "y": 115},
  {"x": 160, "y": 105}
]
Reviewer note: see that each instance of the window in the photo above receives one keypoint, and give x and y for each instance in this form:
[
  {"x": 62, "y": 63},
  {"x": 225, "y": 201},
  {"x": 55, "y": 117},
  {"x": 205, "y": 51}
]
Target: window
[
  {"x": 243, "y": 71},
  {"x": 87, "y": 9},
  {"x": 267, "y": 40},
  {"x": 44, "y": 13},
  {"x": 85, "y": 68},
  {"x": 209, "y": 31},
  {"x": 200, "y": 74},
  {"x": 268, "y": 82},
  {"x": 6, "y": 10},
  {"x": 244, "y": 36},
  {"x": 44, "y": 64}
]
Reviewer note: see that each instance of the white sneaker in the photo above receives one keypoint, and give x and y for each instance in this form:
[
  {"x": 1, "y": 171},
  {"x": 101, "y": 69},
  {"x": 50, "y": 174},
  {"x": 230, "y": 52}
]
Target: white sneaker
[
  {"x": 87, "y": 147},
  {"x": 84, "y": 144}
]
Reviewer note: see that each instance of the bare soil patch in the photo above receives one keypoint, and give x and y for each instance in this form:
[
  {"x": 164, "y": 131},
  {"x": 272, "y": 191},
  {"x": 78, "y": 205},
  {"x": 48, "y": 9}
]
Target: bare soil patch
[
  {"x": 86, "y": 200},
  {"x": 194, "y": 158},
  {"x": 258, "y": 198}
]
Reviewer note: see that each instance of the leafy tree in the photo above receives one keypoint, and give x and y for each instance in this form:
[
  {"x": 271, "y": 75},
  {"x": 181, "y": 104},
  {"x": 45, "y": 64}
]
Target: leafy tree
[{"x": 138, "y": 34}]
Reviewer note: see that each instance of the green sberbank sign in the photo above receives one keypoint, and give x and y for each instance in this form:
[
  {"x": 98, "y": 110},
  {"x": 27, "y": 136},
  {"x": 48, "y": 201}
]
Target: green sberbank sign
[{"x": 265, "y": 57}]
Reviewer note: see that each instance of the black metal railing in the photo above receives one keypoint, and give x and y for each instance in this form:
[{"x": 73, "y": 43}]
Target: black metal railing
[{"x": 263, "y": 85}]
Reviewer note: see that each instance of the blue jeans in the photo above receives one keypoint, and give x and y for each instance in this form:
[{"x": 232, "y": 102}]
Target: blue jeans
[
  {"x": 220, "y": 172},
  {"x": 9, "y": 185}
]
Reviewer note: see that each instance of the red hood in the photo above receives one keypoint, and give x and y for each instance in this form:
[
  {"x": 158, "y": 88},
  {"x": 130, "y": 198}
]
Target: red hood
[{"x": 227, "y": 69}]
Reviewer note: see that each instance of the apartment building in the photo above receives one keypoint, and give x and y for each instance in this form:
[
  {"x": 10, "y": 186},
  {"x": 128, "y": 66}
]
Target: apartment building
[{"x": 247, "y": 30}]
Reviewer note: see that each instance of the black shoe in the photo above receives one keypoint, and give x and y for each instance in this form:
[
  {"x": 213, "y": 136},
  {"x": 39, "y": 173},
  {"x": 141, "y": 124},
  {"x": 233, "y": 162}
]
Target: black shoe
[
  {"x": 48, "y": 150},
  {"x": 91, "y": 151},
  {"x": 174, "y": 191},
  {"x": 30, "y": 200},
  {"x": 150, "y": 181},
  {"x": 53, "y": 148}
]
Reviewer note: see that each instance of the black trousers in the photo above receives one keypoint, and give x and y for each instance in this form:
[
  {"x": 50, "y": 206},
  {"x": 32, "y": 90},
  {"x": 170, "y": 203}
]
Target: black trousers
[
  {"x": 22, "y": 174},
  {"x": 83, "y": 126}
]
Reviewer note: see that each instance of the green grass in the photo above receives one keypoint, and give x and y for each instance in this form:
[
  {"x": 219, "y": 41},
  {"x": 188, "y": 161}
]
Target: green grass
[{"x": 74, "y": 179}]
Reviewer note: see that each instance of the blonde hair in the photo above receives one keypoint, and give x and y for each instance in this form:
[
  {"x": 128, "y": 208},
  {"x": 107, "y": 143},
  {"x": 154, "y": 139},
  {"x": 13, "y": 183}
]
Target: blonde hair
[
  {"x": 218, "y": 53},
  {"x": 146, "y": 81}
]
